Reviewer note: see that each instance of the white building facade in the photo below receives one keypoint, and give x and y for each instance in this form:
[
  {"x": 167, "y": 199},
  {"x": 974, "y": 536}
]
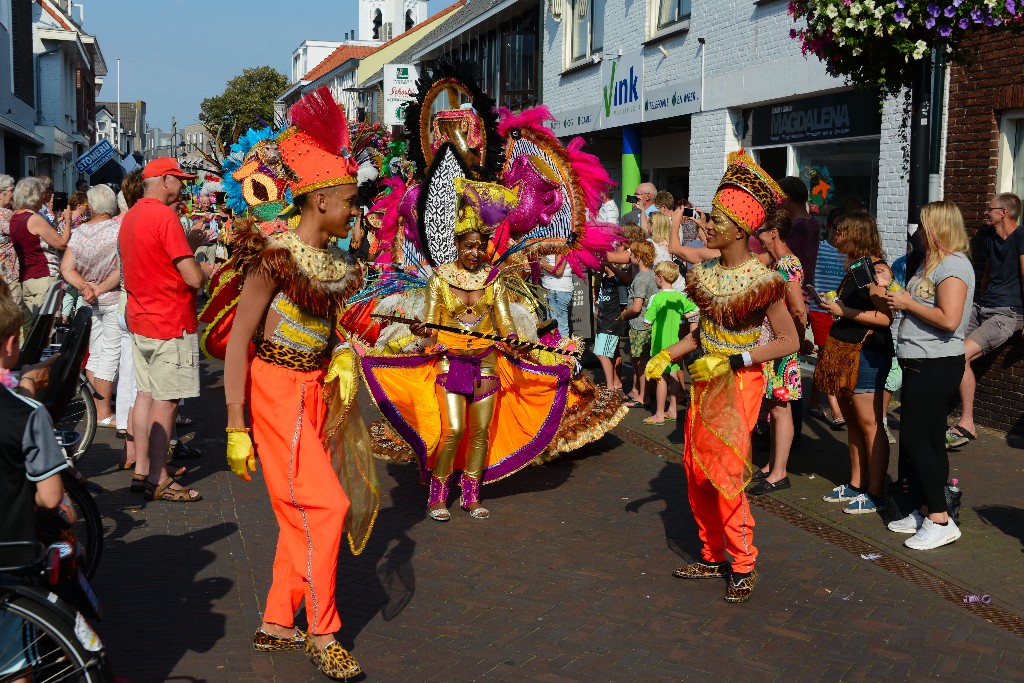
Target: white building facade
[{"x": 696, "y": 79}]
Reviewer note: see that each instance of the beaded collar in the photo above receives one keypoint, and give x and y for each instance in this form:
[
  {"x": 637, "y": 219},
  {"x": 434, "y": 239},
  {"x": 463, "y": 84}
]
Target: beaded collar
[
  {"x": 720, "y": 281},
  {"x": 325, "y": 265},
  {"x": 460, "y": 278}
]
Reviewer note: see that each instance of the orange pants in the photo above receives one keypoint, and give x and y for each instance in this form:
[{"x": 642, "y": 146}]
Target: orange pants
[
  {"x": 288, "y": 412},
  {"x": 725, "y": 523}
]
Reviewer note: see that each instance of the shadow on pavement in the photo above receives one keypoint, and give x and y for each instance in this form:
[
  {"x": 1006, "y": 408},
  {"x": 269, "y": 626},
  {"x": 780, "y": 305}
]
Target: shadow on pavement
[
  {"x": 1009, "y": 520},
  {"x": 680, "y": 528},
  {"x": 157, "y": 609}
]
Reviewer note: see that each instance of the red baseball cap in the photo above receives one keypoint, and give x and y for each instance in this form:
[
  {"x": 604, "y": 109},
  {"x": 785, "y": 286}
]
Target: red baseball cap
[{"x": 165, "y": 166}]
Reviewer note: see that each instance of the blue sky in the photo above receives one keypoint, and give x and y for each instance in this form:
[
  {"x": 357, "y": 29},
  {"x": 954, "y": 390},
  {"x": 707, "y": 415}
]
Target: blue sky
[{"x": 175, "y": 53}]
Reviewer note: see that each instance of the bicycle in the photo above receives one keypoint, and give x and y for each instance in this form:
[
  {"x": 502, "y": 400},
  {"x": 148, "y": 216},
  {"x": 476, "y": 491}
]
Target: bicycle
[{"x": 41, "y": 635}]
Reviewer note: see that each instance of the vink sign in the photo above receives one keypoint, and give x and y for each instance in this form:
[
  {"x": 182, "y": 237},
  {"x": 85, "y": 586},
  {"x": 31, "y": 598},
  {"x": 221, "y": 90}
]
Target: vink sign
[
  {"x": 576, "y": 121},
  {"x": 622, "y": 82}
]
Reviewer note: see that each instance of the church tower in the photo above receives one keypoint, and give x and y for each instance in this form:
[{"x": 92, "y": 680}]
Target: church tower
[{"x": 382, "y": 20}]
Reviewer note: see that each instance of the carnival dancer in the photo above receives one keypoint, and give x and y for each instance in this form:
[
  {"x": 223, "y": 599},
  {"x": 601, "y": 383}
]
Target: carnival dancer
[
  {"x": 304, "y": 424},
  {"x": 734, "y": 294}
]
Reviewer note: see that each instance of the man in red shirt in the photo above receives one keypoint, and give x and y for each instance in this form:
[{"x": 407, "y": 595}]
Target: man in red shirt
[{"x": 161, "y": 277}]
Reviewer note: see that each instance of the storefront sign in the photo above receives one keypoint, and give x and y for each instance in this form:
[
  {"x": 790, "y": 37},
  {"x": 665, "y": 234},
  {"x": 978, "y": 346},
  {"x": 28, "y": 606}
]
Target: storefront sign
[
  {"x": 96, "y": 156},
  {"x": 622, "y": 90},
  {"x": 677, "y": 99},
  {"x": 828, "y": 117},
  {"x": 399, "y": 90},
  {"x": 576, "y": 121}
]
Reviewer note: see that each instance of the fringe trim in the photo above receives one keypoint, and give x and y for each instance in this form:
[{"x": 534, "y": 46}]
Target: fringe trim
[
  {"x": 734, "y": 311},
  {"x": 254, "y": 256},
  {"x": 598, "y": 411}
]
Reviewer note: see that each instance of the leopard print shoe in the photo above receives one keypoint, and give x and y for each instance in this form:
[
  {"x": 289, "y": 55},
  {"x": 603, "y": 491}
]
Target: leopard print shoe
[
  {"x": 268, "y": 642},
  {"x": 702, "y": 570},
  {"x": 334, "y": 661},
  {"x": 740, "y": 587}
]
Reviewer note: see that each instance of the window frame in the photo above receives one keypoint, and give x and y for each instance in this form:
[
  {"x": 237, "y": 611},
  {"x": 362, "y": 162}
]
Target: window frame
[
  {"x": 656, "y": 32},
  {"x": 1004, "y": 159},
  {"x": 569, "y": 20}
]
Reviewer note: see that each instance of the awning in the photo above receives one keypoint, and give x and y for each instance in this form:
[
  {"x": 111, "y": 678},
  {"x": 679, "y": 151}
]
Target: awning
[{"x": 19, "y": 130}]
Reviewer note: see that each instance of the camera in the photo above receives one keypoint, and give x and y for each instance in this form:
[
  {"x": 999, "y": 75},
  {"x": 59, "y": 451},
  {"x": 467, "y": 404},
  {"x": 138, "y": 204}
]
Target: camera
[
  {"x": 632, "y": 198},
  {"x": 690, "y": 212},
  {"x": 60, "y": 201}
]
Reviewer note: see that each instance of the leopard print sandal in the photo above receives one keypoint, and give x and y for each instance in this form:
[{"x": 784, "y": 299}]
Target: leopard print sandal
[
  {"x": 268, "y": 642},
  {"x": 334, "y": 661}
]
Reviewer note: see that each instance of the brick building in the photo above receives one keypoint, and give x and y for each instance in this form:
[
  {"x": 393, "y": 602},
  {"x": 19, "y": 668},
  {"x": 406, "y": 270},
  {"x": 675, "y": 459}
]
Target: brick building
[{"x": 985, "y": 155}]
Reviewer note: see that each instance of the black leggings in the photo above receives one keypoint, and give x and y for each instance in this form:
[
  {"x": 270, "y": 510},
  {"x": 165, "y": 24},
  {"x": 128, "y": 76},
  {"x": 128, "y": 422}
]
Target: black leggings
[{"x": 928, "y": 386}]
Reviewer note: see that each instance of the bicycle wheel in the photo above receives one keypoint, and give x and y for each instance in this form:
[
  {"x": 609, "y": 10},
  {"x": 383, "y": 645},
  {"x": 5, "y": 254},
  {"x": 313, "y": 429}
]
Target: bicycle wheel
[
  {"x": 45, "y": 640},
  {"x": 80, "y": 416},
  {"x": 88, "y": 529}
]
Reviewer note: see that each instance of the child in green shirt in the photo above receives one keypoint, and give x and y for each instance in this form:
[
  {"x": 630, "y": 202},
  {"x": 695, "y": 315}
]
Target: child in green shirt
[{"x": 668, "y": 311}]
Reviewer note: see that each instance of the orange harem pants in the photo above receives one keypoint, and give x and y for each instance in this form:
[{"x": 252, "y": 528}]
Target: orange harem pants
[
  {"x": 288, "y": 413},
  {"x": 725, "y": 523}
]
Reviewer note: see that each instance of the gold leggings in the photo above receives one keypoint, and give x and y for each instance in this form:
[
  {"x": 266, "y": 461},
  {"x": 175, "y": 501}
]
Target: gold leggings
[{"x": 459, "y": 419}]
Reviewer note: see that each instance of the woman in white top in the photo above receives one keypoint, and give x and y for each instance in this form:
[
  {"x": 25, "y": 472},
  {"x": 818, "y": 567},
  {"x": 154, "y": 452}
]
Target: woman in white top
[
  {"x": 930, "y": 349},
  {"x": 91, "y": 265}
]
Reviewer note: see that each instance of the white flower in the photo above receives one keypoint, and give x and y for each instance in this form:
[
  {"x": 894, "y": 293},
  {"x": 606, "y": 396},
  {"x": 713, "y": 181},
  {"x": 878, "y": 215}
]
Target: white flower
[
  {"x": 879, "y": 13},
  {"x": 870, "y": 4},
  {"x": 855, "y": 9},
  {"x": 905, "y": 23},
  {"x": 861, "y": 25},
  {"x": 856, "y": 51},
  {"x": 850, "y": 23},
  {"x": 921, "y": 45},
  {"x": 831, "y": 12}
]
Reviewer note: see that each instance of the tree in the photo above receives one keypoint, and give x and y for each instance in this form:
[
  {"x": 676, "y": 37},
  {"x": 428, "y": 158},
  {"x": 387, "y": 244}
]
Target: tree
[{"x": 247, "y": 102}]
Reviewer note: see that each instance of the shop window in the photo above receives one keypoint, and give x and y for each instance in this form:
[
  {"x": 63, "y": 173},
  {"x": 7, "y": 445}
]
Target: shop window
[
  {"x": 668, "y": 13},
  {"x": 1011, "y": 153},
  {"x": 840, "y": 175},
  {"x": 585, "y": 29},
  {"x": 775, "y": 160}
]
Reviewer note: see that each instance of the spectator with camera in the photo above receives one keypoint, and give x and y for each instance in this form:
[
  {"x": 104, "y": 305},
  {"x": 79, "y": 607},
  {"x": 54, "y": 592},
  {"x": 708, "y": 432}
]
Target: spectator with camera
[{"x": 856, "y": 359}]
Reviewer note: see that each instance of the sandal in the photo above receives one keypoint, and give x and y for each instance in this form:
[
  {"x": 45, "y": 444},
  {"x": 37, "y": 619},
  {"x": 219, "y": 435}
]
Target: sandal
[
  {"x": 183, "y": 421},
  {"x": 957, "y": 436},
  {"x": 838, "y": 425},
  {"x": 165, "y": 492},
  {"x": 633, "y": 403},
  {"x": 109, "y": 422},
  {"x": 182, "y": 451},
  {"x": 652, "y": 421}
]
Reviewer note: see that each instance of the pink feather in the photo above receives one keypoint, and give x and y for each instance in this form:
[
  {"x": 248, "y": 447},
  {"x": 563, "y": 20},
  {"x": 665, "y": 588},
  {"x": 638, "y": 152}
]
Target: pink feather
[
  {"x": 598, "y": 239},
  {"x": 387, "y": 204},
  {"x": 531, "y": 119},
  {"x": 593, "y": 179}
]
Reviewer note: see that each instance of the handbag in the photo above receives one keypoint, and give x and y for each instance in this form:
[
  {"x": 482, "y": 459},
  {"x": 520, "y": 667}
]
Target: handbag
[{"x": 838, "y": 366}]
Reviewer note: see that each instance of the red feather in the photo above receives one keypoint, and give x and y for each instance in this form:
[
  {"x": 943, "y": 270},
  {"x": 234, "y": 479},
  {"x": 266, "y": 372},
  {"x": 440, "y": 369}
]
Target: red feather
[
  {"x": 598, "y": 239},
  {"x": 322, "y": 119}
]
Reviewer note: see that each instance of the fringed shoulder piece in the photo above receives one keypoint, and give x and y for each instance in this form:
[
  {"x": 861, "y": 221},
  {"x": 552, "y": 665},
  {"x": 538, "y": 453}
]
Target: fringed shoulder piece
[
  {"x": 318, "y": 280},
  {"x": 731, "y": 296}
]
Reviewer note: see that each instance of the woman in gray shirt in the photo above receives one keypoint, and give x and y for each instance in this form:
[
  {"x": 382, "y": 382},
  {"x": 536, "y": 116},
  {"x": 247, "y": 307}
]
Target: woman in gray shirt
[{"x": 930, "y": 347}]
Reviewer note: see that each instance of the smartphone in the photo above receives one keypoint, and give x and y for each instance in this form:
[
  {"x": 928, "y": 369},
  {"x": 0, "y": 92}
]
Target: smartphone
[
  {"x": 815, "y": 295},
  {"x": 60, "y": 201},
  {"x": 690, "y": 212},
  {"x": 863, "y": 271},
  {"x": 632, "y": 198}
]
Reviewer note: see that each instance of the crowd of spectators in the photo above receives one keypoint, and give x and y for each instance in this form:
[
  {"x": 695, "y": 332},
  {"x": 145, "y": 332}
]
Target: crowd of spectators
[{"x": 912, "y": 329}]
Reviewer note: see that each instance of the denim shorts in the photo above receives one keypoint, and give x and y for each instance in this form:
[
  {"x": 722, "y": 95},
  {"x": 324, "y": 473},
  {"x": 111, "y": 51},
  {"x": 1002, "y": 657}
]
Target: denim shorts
[{"x": 872, "y": 372}]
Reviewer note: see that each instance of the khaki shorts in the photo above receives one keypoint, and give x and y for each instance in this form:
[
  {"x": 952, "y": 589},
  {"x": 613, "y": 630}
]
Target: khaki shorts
[
  {"x": 167, "y": 368},
  {"x": 990, "y": 328}
]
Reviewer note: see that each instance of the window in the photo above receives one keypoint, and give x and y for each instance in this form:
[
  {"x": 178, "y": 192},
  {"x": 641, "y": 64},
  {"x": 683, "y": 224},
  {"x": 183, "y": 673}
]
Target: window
[
  {"x": 1010, "y": 177},
  {"x": 378, "y": 21},
  {"x": 585, "y": 29},
  {"x": 670, "y": 12},
  {"x": 409, "y": 21},
  {"x": 5, "y": 14}
]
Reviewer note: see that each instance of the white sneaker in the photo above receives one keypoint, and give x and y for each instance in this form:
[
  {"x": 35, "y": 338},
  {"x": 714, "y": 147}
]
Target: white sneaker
[
  {"x": 932, "y": 535},
  {"x": 910, "y": 524}
]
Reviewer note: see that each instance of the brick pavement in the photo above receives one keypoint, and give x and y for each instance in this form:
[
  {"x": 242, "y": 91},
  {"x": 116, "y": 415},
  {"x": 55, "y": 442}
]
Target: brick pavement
[{"x": 568, "y": 581}]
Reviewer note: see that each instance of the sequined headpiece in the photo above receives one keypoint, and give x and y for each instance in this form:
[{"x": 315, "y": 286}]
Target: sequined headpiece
[
  {"x": 481, "y": 207},
  {"x": 317, "y": 145},
  {"x": 746, "y": 192}
]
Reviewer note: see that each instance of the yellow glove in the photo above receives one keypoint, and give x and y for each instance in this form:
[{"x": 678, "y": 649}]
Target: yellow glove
[
  {"x": 705, "y": 368},
  {"x": 241, "y": 457},
  {"x": 343, "y": 369},
  {"x": 656, "y": 365}
]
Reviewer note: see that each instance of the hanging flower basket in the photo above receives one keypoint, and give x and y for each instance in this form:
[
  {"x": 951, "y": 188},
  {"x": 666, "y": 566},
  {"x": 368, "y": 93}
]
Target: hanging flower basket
[{"x": 872, "y": 43}]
